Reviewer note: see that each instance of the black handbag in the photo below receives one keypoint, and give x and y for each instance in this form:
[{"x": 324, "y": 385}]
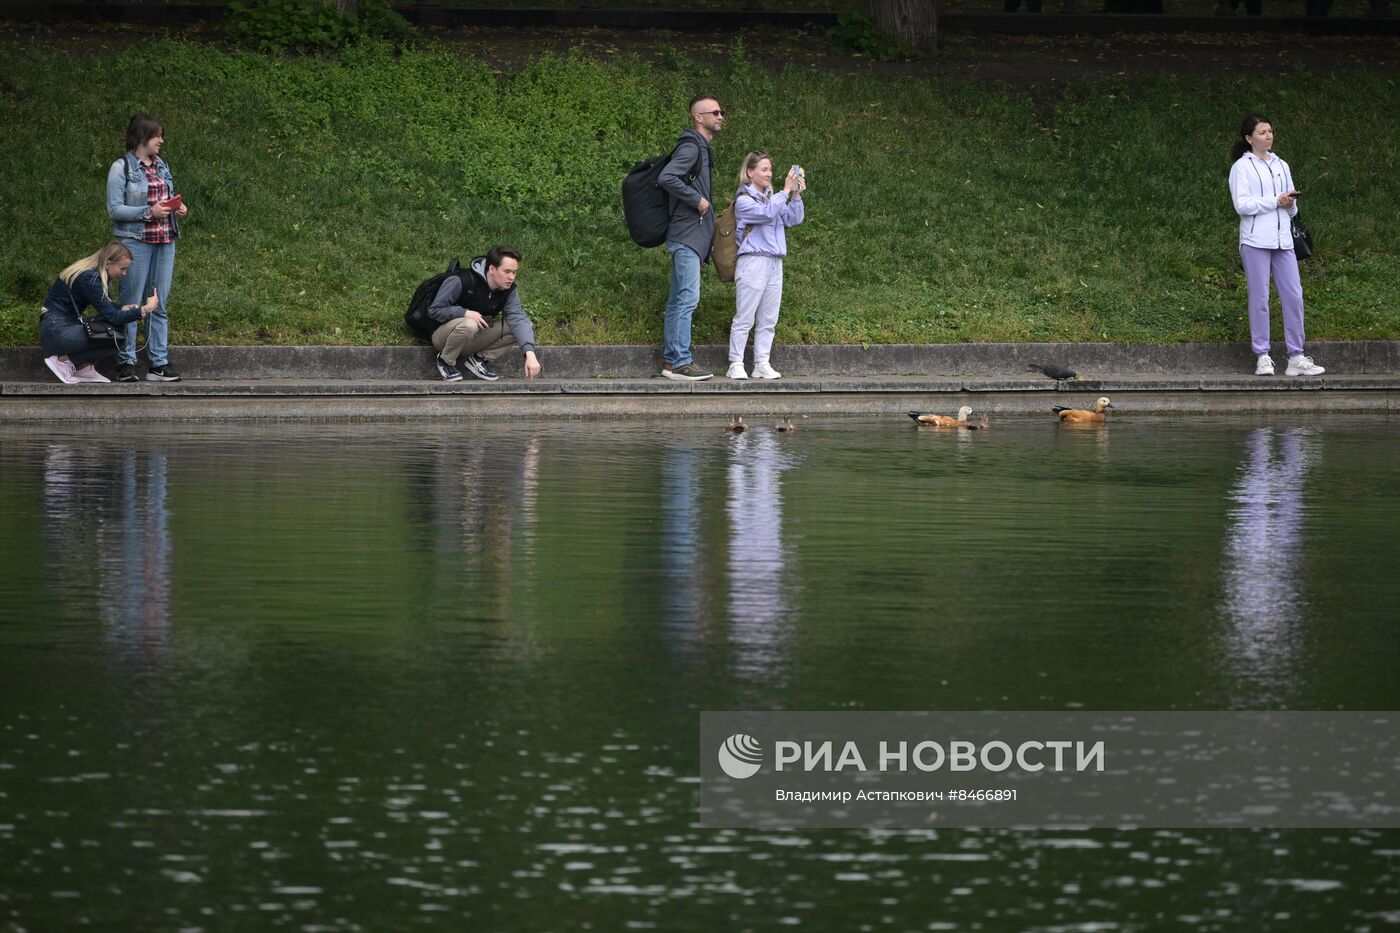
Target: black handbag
[
  {"x": 99, "y": 331},
  {"x": 1302, "y": 240}
]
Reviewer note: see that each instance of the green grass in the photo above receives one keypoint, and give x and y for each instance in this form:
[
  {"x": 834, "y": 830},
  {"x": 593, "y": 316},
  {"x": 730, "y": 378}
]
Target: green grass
[{"x": 940, "y": 210}]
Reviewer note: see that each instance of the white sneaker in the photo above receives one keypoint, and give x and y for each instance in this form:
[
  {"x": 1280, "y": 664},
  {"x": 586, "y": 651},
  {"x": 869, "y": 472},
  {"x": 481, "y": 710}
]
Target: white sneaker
[
  {"x": 62, "y": 369},
  {"x": 1301, "y": 365},
  {"x": 88, "y": 373},
  {"x": 736, "y": 371},
  {"x": 764, "y": 371},
  {"x": 1265, "y": 366}
]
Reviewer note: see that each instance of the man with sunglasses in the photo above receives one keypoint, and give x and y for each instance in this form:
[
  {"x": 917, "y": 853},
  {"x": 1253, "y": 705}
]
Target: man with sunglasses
[{"x": 687, "y": 179}]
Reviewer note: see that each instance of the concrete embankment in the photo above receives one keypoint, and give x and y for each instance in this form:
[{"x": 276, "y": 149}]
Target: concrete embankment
[{"x": 352, "y": 383}]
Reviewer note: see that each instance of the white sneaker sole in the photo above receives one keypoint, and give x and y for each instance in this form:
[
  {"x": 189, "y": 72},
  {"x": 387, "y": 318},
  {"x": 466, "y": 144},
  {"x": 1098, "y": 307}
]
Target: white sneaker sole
[{"x": 55, "y": 367}]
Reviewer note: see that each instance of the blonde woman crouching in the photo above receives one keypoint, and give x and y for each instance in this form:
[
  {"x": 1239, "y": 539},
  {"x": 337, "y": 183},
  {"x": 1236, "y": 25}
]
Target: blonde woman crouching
[{"x": 68, "y": 350}]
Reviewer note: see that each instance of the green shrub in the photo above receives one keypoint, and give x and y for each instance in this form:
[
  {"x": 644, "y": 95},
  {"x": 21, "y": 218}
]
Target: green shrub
[
  {"x": 312, "y": 25},
  {"x": 855, "y": 31}
]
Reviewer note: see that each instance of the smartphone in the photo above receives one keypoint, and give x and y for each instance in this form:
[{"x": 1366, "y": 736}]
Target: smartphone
[{"x": 797, "y": 170}]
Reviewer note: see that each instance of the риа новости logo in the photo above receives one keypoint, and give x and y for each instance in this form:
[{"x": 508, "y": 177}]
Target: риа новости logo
[{"x": 741, "y": 756}]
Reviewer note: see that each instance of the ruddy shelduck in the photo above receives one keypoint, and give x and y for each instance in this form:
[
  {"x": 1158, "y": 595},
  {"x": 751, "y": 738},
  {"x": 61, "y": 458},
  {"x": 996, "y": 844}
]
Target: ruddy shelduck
[
  {"x": 944, "y": 421},
  {"x": 1084, "y": 416}
]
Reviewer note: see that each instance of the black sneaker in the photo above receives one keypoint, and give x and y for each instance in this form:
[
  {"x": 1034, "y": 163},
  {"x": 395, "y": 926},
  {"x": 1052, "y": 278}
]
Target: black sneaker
[
  {"x": 126, "y": 372},
  {"x": 476, "y": 365},
  {"x": 687, "y": 373},
  {"x": 162, "y": 374},
  {"x": 446, "y": 370}
]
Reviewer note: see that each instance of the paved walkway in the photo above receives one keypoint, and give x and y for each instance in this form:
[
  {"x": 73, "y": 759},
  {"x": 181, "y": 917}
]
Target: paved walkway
[{"x": 399, "y": 382}]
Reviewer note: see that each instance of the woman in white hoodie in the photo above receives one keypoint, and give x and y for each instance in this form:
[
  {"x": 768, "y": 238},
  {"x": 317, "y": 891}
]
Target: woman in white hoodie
[{"x": 1261, "y": 185}]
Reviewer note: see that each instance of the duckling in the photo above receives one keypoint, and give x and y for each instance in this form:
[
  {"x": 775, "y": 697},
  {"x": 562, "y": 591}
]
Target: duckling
[
  {"x": 1053, "y": 370},
  {"x": 943, "y": 421},
  {"x": 1083, "y": 416},
  {"x": 737, "y": 425},
  {"x": 785, "y": 426}
]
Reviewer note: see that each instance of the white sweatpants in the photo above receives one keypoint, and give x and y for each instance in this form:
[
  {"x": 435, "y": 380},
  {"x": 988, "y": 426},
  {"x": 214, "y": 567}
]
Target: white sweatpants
[{"x": 758, "y": 292}]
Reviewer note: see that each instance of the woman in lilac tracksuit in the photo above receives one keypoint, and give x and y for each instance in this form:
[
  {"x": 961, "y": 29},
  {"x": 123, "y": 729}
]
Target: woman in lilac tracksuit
[
  {"x": 760, "y": 222},
  {"x": 1261, "y": 185}
]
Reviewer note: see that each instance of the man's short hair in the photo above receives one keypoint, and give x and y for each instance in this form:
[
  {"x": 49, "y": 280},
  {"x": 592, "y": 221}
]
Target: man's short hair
[
  {"x": 696, "y": 99},
  {"x": 493, "y": 258}
]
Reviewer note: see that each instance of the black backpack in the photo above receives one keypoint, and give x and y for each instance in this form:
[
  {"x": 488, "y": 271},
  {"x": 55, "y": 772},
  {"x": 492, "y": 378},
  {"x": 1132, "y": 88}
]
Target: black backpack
[
  {"x": 416, "y": 317},
  {"x": 645, "y": 204}
]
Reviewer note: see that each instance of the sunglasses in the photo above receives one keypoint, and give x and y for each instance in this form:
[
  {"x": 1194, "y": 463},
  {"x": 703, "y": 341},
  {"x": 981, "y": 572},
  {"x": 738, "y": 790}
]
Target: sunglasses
[{"x": 709, "y": 113}]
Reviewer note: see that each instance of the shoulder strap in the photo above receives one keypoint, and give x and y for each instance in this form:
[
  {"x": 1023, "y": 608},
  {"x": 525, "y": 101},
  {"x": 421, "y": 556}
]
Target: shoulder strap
[
  {"x": 78, "y": 311},
  {"x": 673, "y": 201},
  {"x": 738, "y": 239},
  {"x": 689, "y": 142}
]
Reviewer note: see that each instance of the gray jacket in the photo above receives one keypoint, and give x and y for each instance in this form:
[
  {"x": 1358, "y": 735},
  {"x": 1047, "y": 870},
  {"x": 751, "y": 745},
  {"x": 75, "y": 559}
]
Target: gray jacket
[{"x": 693, "y": 157}]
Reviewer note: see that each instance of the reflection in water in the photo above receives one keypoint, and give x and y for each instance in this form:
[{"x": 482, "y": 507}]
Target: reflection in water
[
  {"x": 368, "y": 755},
  {"x": 105, "y": 514},
  {"x": 478, "y": 501},
  {"x": 757, "y": 586},
  {"x": 1263, "y": 596},
  {"x": 680, "y": 533}
]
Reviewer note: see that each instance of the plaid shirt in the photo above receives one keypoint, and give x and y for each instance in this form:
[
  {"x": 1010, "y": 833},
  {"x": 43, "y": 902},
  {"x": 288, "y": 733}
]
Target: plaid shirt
[{"x": 157, "y": 231}]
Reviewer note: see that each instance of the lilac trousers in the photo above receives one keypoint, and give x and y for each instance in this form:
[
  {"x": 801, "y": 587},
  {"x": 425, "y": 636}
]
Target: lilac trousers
[
  {"x": 1258, "y": 263},
  {"x": 758, "y": 293}
]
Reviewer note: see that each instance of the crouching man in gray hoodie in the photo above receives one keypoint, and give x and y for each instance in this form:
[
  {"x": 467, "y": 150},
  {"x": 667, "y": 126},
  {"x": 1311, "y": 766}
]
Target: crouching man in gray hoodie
[{"x": 479, "y": 317}]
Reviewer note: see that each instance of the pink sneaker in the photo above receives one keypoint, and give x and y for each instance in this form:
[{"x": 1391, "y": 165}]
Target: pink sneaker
[
  {"x": 88, "y": 373},
  {"x": 62, "y": 369}
]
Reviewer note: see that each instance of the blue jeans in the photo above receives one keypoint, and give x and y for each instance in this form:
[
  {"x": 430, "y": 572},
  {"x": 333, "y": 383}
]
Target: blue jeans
[
  {"x": 685, "y": 296},
  {"x": 152, "y": 267},
  {"x": 70, "y": 340}
]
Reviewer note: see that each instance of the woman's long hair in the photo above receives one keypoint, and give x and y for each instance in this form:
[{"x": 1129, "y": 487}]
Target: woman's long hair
[
  {"x": 749, "y": 164},
  {"x": 1247, "y": 125},
  {"x": 111, "y": 251}
]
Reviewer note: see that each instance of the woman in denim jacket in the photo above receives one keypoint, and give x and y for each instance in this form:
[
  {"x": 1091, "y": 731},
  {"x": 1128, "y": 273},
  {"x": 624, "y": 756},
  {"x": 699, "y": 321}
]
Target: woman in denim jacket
[
  {"x": 139, "y": 189},
  {"x": 69, "y": 352}
]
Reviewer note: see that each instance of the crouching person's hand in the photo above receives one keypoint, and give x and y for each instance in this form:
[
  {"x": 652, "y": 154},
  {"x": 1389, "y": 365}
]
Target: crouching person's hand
[{"x": 532, "y": 364}]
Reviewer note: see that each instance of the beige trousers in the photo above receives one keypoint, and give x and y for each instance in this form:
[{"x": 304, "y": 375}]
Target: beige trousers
[{"x": 462, "y": 337}]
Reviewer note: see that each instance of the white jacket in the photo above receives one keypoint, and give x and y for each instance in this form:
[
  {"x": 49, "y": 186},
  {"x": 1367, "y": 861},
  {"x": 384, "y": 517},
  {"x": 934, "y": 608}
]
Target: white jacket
[{"x": 1255, "y": 186}]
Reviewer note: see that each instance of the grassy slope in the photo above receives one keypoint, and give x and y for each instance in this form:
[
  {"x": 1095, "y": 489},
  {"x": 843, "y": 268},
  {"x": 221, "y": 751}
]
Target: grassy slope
[{"x": 940, "y": 210}]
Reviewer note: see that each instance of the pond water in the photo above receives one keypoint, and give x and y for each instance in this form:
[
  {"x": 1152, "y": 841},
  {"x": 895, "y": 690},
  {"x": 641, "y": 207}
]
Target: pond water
[{"x": 449, "y": 674}]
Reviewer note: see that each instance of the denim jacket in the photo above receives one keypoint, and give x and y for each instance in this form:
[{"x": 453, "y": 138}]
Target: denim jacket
[
  {"x": 126, "y": 196},
  {"x": 65, "y": 303}
]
